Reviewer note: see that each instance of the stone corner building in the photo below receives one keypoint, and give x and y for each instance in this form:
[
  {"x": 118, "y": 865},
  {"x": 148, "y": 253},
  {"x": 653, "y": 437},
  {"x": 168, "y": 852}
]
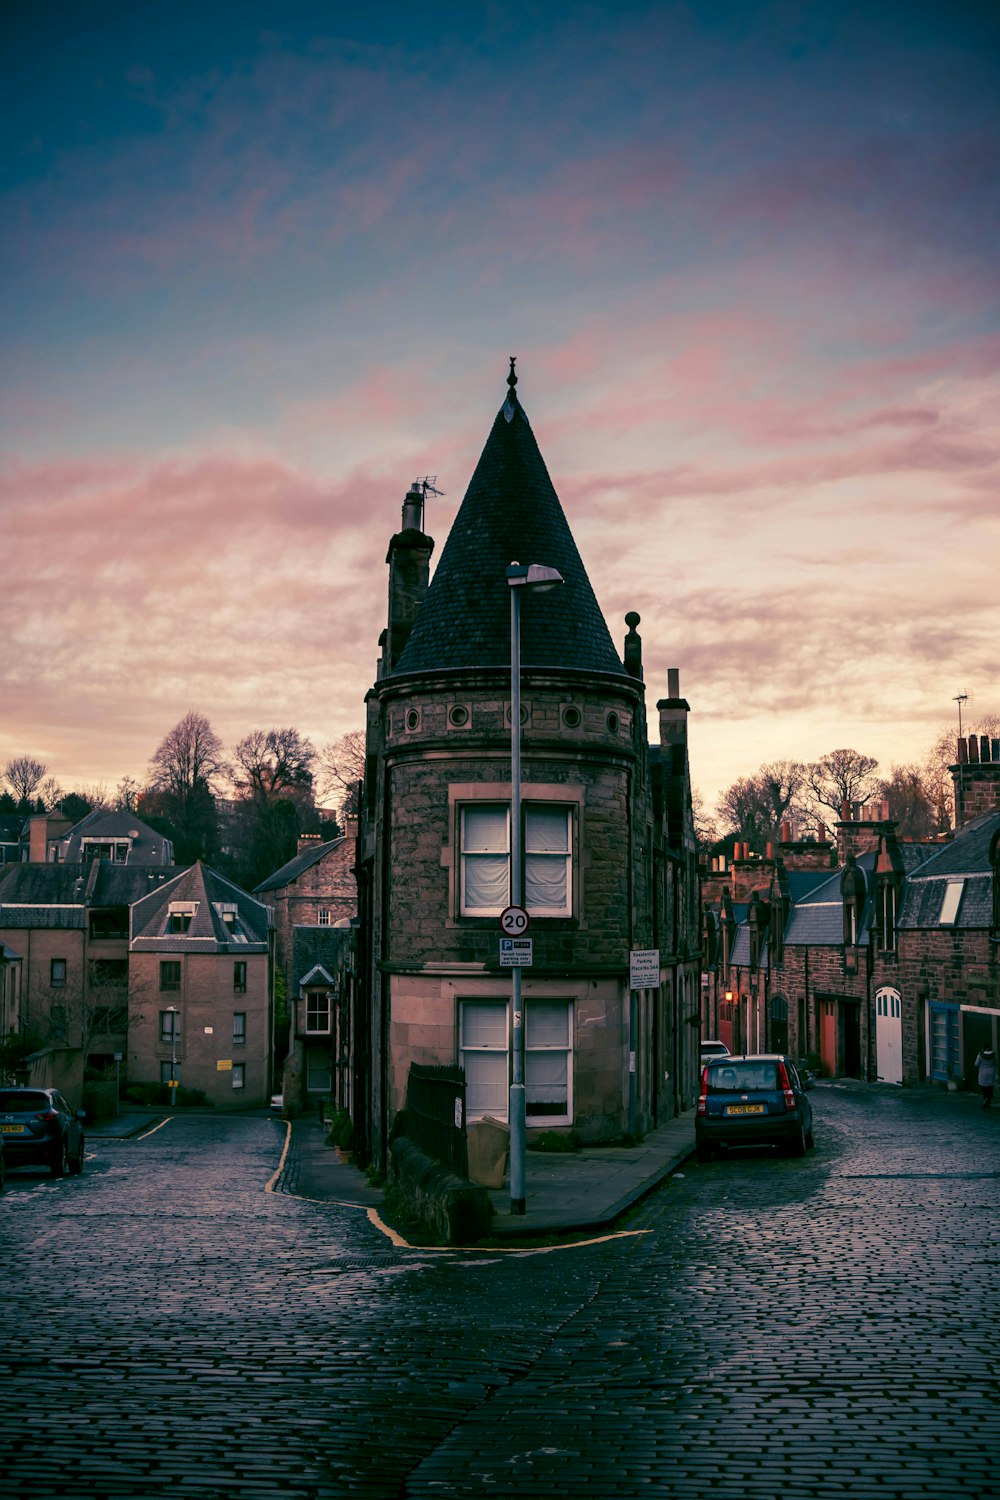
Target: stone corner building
[{"x": 609, "y": 850}]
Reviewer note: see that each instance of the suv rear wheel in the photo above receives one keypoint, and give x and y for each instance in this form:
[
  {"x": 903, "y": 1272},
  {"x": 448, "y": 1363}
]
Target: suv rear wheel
[{"x": 60, "y": 1159}]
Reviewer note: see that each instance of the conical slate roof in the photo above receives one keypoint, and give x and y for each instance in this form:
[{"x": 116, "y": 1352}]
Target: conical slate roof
[{"x": 511, "y": 513}]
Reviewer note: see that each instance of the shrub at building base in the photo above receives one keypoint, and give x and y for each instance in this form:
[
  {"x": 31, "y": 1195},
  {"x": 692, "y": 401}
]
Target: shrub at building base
[{"x": 452, "y": 1210}]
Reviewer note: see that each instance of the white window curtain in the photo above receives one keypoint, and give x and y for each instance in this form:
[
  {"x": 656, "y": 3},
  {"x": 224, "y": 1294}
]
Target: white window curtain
[
  {"x": 483, "y": 1045},
  {"x": 485, "y": 859},
  {"x": 548, "y": 1053},
  {"x": 547, "y": 1060},
  {"x": 485, "y": 841}
]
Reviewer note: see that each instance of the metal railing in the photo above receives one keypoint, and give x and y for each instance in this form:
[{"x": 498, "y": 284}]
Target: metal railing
[{"x": 435, "y": 1114}]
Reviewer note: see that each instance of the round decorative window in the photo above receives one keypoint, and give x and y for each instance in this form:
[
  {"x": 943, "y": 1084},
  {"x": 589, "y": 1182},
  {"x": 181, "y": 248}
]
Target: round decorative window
[
  {"x": 458, "y": 716},
  {"x": 412, "y": 719},
  {"x": 613, "y": 722},
  {"x": 572, "y": 717}
]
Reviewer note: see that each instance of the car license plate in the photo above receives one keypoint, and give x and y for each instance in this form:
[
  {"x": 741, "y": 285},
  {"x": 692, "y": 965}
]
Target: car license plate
[
  {"x": 744, "y": 1109},
  {"x": 11, "y": 1129}
]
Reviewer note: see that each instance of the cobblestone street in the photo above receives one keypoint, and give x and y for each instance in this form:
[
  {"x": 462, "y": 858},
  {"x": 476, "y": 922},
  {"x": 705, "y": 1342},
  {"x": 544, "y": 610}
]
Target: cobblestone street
[{"x": 796, "y": 1327}]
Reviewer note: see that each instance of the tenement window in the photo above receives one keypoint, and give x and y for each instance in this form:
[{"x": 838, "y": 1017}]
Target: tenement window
[{"x": 485, "y": 859}]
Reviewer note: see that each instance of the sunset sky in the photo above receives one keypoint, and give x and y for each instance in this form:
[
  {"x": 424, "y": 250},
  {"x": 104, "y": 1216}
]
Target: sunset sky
[{"x": 262, "y": 265}]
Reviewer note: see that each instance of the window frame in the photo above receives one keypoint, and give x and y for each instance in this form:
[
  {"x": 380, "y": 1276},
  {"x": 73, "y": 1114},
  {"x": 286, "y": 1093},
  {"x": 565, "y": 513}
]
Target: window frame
[
  {"x": 311, "y": 997},
  {"x": 169, "y": 1027},
  {"x": 239, "y": 1075},
  {"x": 173, "y": 964},
  {"x": 239, "y": 976},
  {"x": 239, "y": 1031},
  {"x": 58, "y": 981},
  {"x": 502, "y": 1052},
  {"x": 468, "y": 807}
]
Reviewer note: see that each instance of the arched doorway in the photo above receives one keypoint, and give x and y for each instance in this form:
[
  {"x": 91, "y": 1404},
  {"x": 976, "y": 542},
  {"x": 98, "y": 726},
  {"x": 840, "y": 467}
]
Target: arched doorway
[{"x": 888, "y": 1036}]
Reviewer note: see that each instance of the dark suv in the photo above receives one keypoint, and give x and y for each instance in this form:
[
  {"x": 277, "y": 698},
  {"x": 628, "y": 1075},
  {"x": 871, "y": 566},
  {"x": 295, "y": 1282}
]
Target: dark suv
[
  {"x": 38, "y": 1126},
  {"x": 756, "y": 1100}
]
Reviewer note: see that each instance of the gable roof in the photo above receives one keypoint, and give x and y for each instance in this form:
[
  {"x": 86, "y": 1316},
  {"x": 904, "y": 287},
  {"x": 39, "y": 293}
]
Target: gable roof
[
  {"x": 510, "y": 513},
  {"x": 317, "y": 949},
  {"x": 104, "y": 825},
  {"x": 298, "y": 866}
]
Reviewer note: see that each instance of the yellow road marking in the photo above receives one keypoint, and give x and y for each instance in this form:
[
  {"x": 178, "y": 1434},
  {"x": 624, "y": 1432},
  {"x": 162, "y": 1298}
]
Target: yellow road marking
[{"x": 155, "y": 1128}]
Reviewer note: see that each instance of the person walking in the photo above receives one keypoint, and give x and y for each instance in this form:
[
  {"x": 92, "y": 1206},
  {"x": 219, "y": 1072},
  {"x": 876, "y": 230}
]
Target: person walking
[{"x": 986, "y": 1062}]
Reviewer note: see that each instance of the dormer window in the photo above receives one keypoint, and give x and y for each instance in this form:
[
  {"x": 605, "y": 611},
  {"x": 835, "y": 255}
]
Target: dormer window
[
  {"x": 116, "y": 850},
  {"x": 229, "y": 914},
  {"x": 886, "y": 903},
  {"x": 180, "y": 915}
]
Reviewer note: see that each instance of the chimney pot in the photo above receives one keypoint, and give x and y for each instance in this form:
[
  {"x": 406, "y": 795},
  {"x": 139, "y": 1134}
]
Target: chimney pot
[{"x": 673, "y": 682}]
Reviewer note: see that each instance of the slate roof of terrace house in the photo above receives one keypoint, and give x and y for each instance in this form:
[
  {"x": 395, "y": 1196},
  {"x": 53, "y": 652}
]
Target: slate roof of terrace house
[
  {"x": 965, "y": 858},
  {"x": 59, "y": 895},
  {"x": 511, "y": 513},
  {"x": 298, "y": 865}
]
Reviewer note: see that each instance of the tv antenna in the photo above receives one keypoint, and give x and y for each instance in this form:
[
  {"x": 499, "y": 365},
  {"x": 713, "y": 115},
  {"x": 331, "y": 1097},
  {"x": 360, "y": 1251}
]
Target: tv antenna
[
  {"x": 428, "y": 484},
  {"x": 960, "y": 698}
]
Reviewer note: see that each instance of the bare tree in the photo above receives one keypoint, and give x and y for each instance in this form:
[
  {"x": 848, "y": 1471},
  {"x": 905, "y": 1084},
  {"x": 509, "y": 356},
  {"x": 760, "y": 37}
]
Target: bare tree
[
  {"x": 191, "y": 754},
  {"x": 744, "y": 810},
  {"x": 912, "y": 802},
  {"x": 126, "y": 796},
  {"x": 944, "y": 754},
  {"x": 24, "y": 776},
  {"x": 272, "y": 762},
  {"x": 51, "y": 793},
  {"x": 753, "y": 807},
  {"x": 842, "y": 776},
  {"x": 341, "y": 767},
  {"x": 185, "y": 771},
  {"x": 705, "y": 828}
]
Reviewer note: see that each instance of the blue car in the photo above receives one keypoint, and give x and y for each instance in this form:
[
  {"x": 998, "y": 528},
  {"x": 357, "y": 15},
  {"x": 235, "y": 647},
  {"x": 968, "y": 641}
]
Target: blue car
[
  {"x": 755, "y": 1100},
  {"x": 38, "y": 1127}
]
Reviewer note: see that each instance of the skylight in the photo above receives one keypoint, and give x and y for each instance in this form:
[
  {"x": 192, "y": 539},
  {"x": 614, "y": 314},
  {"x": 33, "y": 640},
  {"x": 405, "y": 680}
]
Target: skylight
[{"x": 949, "y": 905}]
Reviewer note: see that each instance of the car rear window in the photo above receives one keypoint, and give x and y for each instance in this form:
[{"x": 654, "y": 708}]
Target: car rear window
[
  {"x": 12, "y": 1100},
  {"x": 725, "y": 1077}
]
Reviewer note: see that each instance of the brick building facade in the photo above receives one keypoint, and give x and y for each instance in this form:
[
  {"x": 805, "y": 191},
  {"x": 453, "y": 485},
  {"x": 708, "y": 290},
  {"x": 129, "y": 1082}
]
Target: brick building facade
[{"x": 880, "y": 963}]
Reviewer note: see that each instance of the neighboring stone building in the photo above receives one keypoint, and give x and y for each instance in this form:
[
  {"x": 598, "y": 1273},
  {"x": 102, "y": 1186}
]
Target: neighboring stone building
[
  {"x": 315, "y": 889},
  {"x": 609, "y": 849},
  {"x": 70, "y": 923},
  {"x": 85, "y": 994},
  {"x": 322, "y": 1001},
  {"x": 200, "y": 991},
  {"x": 884, "y": 968}
]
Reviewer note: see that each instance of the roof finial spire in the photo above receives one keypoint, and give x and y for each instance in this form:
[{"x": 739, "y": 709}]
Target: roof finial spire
[{"x": 512, "y": 377}]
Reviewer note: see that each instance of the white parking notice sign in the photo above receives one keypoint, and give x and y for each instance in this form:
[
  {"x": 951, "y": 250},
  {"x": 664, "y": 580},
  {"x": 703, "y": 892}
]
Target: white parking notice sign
[
  {"x": 644, "y": 968},
  {"x": 515, "y": 953}
]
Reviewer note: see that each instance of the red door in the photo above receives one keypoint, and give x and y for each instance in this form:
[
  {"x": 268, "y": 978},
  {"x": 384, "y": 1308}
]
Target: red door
[{"x": 828, "y": 1038}]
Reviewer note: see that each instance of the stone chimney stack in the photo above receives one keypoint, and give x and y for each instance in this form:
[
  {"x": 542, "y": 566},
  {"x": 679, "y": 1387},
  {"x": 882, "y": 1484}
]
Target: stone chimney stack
[
  {"x": 308, "y": 841},
  {"x": 409, "y": 560},
  {"x": 673, "y": 711},
  {"x": 860, "y": 828},
  {"x": 976, "y": 778}
]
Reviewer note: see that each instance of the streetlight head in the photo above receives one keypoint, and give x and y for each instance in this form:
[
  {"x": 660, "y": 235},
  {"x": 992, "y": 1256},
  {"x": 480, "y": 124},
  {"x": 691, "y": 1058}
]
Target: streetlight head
[{"x": 533, "y": 576}]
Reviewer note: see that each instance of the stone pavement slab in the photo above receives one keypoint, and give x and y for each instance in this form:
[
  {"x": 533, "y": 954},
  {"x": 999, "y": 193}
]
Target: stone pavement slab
[{"x": 567, "y": 1192}]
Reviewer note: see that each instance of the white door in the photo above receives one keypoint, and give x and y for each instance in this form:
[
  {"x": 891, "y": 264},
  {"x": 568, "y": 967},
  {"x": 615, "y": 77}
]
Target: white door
[{"x": 889, "y": 1036}]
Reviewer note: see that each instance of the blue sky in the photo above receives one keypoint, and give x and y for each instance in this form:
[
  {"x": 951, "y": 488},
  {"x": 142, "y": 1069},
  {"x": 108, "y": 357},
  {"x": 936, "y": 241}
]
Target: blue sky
[{"x": 262, "y": 265}]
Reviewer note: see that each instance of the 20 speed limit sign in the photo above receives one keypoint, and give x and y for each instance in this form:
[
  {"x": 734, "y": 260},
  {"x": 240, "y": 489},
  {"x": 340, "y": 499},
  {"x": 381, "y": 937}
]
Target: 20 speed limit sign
[{"x": 514, "y": 921}]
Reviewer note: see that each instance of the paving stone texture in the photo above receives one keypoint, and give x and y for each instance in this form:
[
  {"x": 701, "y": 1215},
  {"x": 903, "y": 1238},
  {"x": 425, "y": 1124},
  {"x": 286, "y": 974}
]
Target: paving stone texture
[{"x": 818, "y": 1327}]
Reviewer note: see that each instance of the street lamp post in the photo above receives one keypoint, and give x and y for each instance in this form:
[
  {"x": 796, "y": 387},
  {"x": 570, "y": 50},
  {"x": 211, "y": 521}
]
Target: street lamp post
[
  {"x": 520, "y": 576},
  {"x": 173, "y": 1013}
]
